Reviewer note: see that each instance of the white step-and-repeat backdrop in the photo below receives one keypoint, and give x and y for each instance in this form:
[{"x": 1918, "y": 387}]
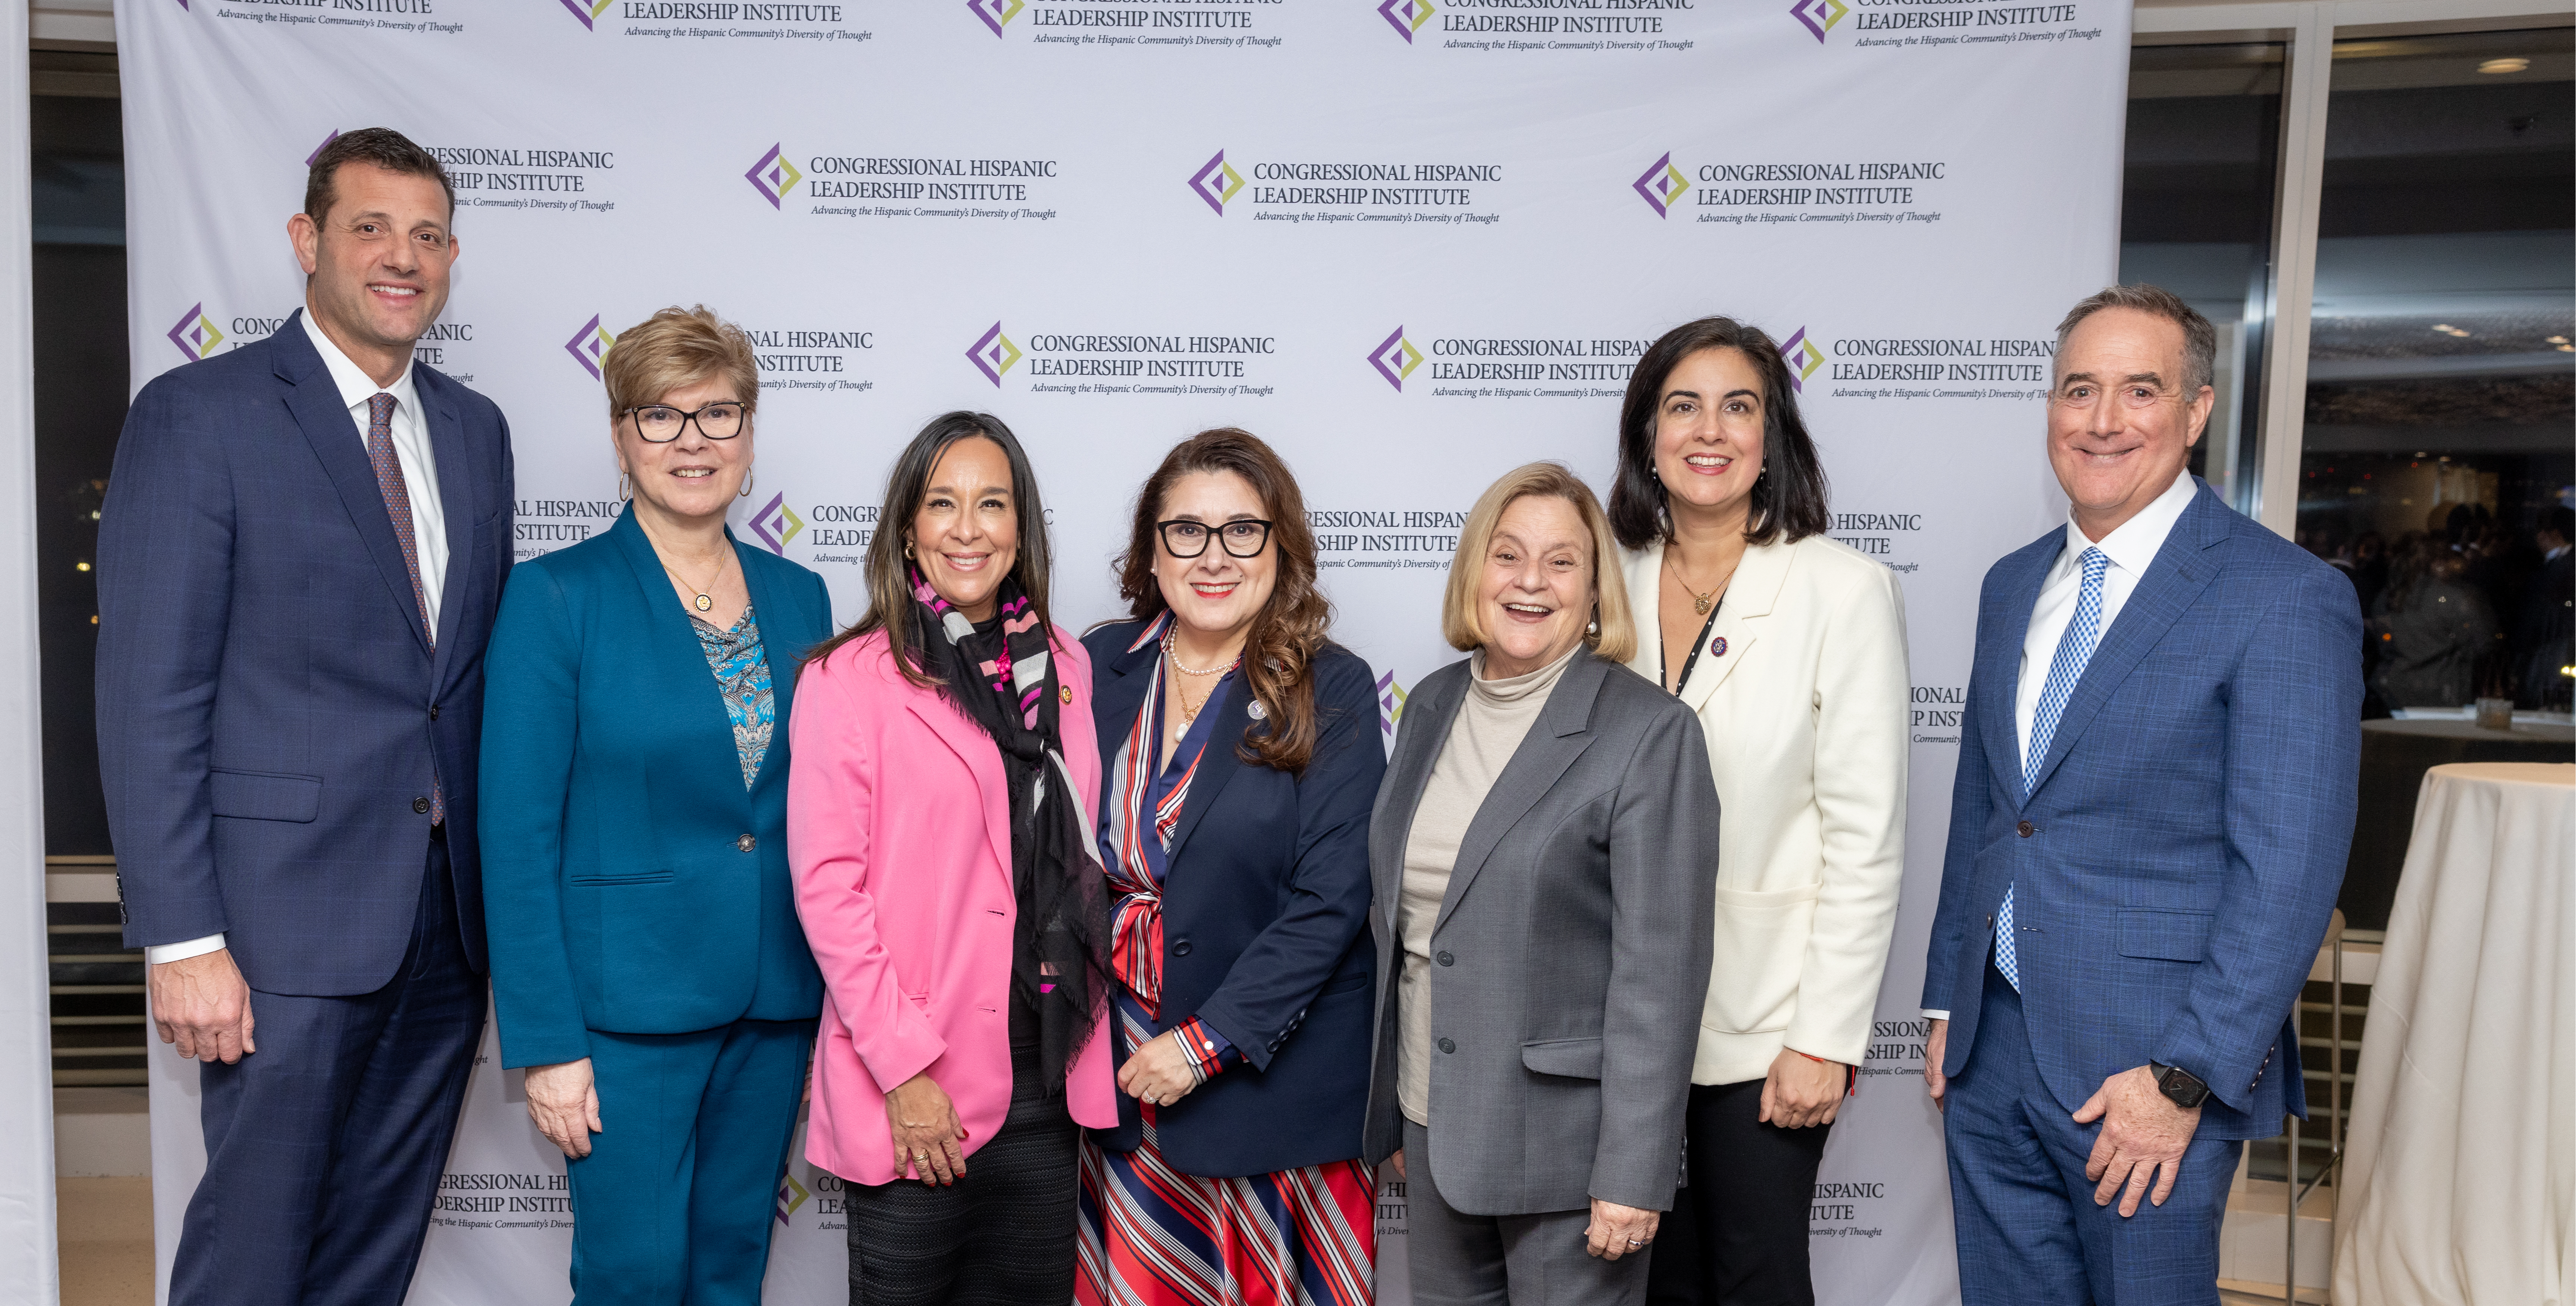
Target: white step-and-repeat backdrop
[{"x": 1410, "y": 242}]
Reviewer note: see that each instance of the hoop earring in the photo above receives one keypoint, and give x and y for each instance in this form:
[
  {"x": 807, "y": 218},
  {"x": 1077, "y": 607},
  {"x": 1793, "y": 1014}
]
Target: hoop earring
[
  {"x": 625, "y": 492},
  {"x": 907, "y": 548},
  {"x": 747, "y": 478}
]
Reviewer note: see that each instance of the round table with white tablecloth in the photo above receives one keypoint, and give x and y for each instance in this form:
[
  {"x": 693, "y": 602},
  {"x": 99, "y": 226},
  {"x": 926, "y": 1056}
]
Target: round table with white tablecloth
[{"x": 2460, "y": 1173}]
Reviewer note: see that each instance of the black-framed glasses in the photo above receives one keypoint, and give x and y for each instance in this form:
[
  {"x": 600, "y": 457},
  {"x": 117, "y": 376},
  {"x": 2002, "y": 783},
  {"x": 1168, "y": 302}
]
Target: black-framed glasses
[
  {"x": 1244, "y": 537},
  {"x": 661, "y": 423}
]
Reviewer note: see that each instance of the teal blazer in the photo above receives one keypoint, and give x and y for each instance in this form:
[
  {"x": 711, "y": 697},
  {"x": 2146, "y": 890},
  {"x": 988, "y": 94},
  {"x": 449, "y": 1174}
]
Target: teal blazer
[{"x": 632, "y": 885}]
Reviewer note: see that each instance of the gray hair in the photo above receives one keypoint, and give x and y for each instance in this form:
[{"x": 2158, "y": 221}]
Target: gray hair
[{"x": 2199, "y": 338}]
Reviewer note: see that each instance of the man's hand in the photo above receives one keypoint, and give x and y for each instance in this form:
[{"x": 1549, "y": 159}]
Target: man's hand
[
  {"x": 202, "y": 1004},
  {"x": 927, "y": 1135},
  {"x": 1398, "y": 1158},
  {"x": 1618, "y": 1231},
  {"x": 1932, "y": 1055},
  {"x": 1159, "y": 1072},
  {"x": 1802, "y": 1091},
  {"x": 564, "y": 1101},
  {"x": 2144, "y": 1133}
]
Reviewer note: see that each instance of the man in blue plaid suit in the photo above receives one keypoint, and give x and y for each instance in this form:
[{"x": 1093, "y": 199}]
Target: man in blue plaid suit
[{"x": 2154, "y": 799}]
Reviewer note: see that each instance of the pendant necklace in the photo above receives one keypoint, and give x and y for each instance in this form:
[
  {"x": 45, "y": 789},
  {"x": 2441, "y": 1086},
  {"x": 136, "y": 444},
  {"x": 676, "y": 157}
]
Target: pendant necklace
[
  {"x": 702, "y": 600},
  {"x": 1189, "y": 712},
  {"x": 1700, "y": 603}
]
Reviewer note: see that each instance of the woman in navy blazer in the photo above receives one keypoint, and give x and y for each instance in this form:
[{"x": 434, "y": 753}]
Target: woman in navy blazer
[
  {"x": 647, "y": 962},
  {"x": 1240, "y": 758}
]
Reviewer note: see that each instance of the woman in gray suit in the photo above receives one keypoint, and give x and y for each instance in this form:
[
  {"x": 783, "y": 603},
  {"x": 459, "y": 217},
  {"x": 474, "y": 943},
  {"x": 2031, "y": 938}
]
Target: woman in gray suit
[{"x": 1544, "y": 855}]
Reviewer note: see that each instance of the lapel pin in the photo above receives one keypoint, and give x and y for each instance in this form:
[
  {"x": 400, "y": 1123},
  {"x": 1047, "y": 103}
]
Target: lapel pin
[
  {"x": 1064, "y": 695},
  {"x": 1256, "y": 711},
  {"x": 1717, "y": 647}
]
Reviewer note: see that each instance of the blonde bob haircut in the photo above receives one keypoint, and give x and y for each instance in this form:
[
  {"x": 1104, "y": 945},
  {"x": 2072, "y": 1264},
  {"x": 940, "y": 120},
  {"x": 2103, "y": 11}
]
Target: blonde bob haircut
[
  {"x": 1461, "y": 611},
  {"x": 674, "y": 348}
]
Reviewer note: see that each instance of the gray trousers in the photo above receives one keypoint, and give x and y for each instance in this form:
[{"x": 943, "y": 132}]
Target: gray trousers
[{"x": 1504, "y": 1260}]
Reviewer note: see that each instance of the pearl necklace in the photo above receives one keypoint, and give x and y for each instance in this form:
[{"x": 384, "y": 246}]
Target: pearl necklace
[{"x": 1189, "y": 712}]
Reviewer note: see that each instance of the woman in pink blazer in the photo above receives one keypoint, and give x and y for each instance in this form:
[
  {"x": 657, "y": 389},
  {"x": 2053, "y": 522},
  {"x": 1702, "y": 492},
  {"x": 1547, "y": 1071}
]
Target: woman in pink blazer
[{"x": 938, "y": 824}]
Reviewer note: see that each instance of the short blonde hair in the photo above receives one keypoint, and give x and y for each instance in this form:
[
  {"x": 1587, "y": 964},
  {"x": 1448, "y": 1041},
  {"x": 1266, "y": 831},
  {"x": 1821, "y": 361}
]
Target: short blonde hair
[
  {"x": 1461, "y": 622},
  {"x": 674, "y": 348}
]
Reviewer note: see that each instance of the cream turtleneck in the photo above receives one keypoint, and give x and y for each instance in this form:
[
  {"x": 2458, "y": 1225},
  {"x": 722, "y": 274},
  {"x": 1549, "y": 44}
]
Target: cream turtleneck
[{"x": 1495, "y": 716}]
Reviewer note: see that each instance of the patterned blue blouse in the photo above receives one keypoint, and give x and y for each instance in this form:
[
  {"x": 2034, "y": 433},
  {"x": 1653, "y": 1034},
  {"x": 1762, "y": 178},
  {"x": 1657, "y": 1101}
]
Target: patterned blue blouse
[{"x": 742, "y": 673}]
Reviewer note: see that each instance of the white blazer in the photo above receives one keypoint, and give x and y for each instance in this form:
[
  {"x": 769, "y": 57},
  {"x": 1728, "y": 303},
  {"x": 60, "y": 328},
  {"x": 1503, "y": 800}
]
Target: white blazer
[{"x": 1805, "y": 716}]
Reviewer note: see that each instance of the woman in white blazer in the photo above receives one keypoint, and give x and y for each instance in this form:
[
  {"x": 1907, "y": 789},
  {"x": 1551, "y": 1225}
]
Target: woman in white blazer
[{"x": 1791, "y": 648}]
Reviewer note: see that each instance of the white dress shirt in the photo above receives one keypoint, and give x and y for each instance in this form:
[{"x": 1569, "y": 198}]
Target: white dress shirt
[
  {"x": 428, "y": 520},
  {"x": 2132, "y": 546}
]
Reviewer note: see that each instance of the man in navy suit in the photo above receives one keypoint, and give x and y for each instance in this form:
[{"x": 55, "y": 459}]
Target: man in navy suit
[
  {"x": 2154, "y": 799},
  {"x": 300, "y": 559}
]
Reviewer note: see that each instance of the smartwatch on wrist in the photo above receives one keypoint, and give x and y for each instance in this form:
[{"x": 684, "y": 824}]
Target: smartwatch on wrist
[{"x": 2184, "y": 1087}]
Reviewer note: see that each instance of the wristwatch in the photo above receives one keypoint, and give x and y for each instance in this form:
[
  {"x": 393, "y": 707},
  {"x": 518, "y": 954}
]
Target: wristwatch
[{"x": 2184, "y": 1087}]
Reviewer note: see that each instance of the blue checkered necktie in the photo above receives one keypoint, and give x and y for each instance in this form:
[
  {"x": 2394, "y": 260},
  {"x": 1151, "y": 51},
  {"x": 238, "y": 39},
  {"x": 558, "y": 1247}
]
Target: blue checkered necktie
[{"x": 2065, "y": 671}]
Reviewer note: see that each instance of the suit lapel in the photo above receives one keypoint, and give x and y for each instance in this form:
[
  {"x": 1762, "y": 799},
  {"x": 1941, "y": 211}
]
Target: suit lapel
[
  {"x": 1217, "y": 766},
  {"x": 675, "y": 646},
  {"x": 1561, "y": 733},
  {"x": 2182, "y": 569},
  {"x": 1999, "y": 664},
  {"x": 769, "y": 608},
  {"x": 314, "y": 400},
  {"x": 456, "y": 483},
  {"x": 1428, "y": 715},
  {"x": 1750, "y": 596},
  {"x": 1117, "y": 691}
]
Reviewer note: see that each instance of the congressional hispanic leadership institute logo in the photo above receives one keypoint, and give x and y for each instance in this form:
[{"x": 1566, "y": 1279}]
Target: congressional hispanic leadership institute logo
[
  {"x": 1662, "y": 185},
  {"x": 1819, "y": 16},
  {"x": 1405, "y": 16},
  {"x": 773, "y": 176},
  {"x": 1390, "y": 702},
  {"x": 994, "y": 354},
  {"x": 1216, "y": 182},
  {"x": 588, "y": 11},
  {"x": 997, "y": 14},
  {"x": 776, "y": 523},
  {"x": 1395, "y": 358},
  {"x": 1803, "y": 358},
  {"x": 196, "y": 335},
  {"x": 589, "y": 346}
]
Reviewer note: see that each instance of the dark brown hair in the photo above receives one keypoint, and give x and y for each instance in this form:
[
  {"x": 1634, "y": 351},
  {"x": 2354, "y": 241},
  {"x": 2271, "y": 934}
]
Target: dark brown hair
[
  {"x": 889, "y": 588},
  {"x": 1292, "y": 628},
  {"x": 1788, "y": 498},
  {"x": 381, "y": 146}
]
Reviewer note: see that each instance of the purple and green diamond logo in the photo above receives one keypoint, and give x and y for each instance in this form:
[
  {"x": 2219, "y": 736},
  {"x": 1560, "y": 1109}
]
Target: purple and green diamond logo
[
  {"x": 994, "y": 354},
  {"x": 1216, "y": 183},
  {"x": 1803, "y": 358},
  {"x": 775, "y": 524},
  {"x": 1395, "y": 358},
  {"x": 1405, "y": 16},
  {"x": 1819, "y": 16},
  {"x": 1390, "y": 702},
  {"x": 791, "y": 1195},
  {"x": 589, "y": 346},
  {"x": 196, "y": 335},
  {"x": 1662, "y": 185},
  {"x": 997, "y": 14},
  {"x": 588, "y": 11},
  {"x": 773, "y": 176}
]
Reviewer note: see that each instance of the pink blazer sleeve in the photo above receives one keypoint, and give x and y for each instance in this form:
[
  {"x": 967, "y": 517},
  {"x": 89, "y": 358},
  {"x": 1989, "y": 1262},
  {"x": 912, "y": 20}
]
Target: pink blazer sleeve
[{"x": 831, "y": 792}]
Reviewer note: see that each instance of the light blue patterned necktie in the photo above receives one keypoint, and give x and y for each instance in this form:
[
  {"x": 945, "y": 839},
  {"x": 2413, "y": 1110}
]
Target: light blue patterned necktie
[{"x": 2065, "y": 671}]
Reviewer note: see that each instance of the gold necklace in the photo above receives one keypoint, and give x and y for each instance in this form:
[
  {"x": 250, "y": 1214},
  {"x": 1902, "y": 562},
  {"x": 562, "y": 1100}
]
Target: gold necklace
[
  {"x": 703, "y": 601},
  {"x": 1700, "y": 603}
]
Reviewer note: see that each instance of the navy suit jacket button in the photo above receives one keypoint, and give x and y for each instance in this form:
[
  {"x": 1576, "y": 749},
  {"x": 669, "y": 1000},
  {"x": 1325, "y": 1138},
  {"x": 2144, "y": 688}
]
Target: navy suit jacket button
[
  {"x": 433, "y": 711},
  {"x": 1446, "y": 960},
  {"x": 420, "y": 805},
  {"x": 746, "y": 843},
  {"x": 1181, "y": 949},
  {"x": 2026, "y": 829},
  {"x": 1447, "y": 1046}
]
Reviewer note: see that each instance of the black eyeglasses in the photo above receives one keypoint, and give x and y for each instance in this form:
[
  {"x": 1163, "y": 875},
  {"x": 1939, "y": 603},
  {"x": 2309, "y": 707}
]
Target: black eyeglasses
[
  {"x": 1243, "y": 537},
  {"x": 661, "y": 423}
]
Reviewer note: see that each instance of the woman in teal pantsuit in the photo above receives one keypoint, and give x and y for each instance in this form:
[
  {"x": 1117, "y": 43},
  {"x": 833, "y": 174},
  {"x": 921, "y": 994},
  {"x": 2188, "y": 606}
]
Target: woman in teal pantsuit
[{"x": 647, "y": 962}]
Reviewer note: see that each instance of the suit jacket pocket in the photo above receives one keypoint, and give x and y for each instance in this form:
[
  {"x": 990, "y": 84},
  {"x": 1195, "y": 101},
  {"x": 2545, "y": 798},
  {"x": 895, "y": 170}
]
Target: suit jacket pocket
[
  {"x": 1574, "y": 1058},
  {"x": 623, "y": 877},
  {"x": 265, "y": 795},
  {"x": 2165, "y": 935},
  {"x": 1759, "y": 951}
]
